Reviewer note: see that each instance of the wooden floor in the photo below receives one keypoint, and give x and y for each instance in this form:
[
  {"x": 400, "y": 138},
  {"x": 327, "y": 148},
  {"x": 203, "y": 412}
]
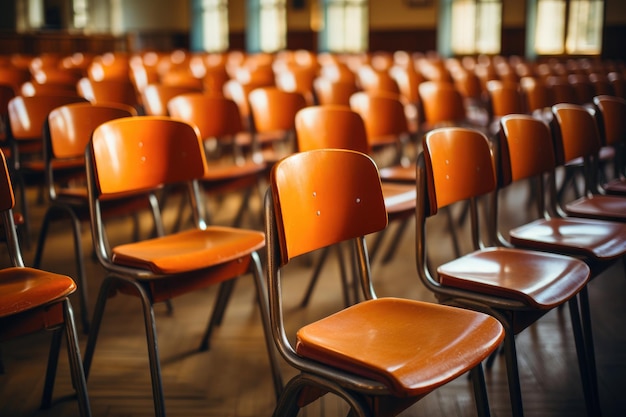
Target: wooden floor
[{"x": 233, "y": 379}]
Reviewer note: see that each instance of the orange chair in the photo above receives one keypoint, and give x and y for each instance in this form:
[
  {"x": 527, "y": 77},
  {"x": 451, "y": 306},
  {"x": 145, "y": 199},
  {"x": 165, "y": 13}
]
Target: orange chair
[
  {"x": 67, "y": 131},
  {"x": 154, "y": 97},
  {"x": 504, "y": 98},
  {"x": 386, "y": 125},
  {"x": 381, "y": 355},
  {"x": 159, "y": 269},
  {"x": 108, "y": 91},
  {"x": 442, "y": 105},
  {"x": 618, "y": 83},
  {"x": 525, "y": 153},
  {"x": 562, "y": 90},
  {"x": 14, "y": 77},
  {"x": 33, "y": 300},
  {"x": 27, "y": 116},
  {"x": 373, "y": 80},
  {"x": 298, "y": 79},
  {"x": 6, "y": 94},
  {"x": 238, "y": 92},
  {"x": 611, "y": 112},
  {"x": 339, "y": 127},
  {"x": 217, "y": 117},
  {"x": 273, "y": 114},
  {"x": 328, "y": 91},
  {"x": 577, "y": 137},
  {"x": 538, "y": 97},
  {"x": 516, "y": 286}
]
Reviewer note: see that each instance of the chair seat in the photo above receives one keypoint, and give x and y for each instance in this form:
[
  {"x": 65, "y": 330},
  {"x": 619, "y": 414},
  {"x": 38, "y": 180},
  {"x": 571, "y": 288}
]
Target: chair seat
[
  {"x": 189, "y": 250},
  {"x": 615, "y": 186},
  {"x": 219, "y": 172},
  {"x": 605, "y": 207},
  {"x": 398, "y": 173},
  {"x": 540, "y": 280},
  {"x": 606, "y": 154},
  {"x": 589, "y": 238},
  {"x": 399, "y": 198},
  {"x": 364, "y": 339},
  {"x": 23, "y": 289}
]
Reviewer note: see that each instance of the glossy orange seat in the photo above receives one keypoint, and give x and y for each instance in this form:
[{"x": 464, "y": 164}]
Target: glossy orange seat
[
  {"x": 67, "y": 131},
  {"x": 313, "y": 193},
  {"x": 33, "y": 300},
  {"x": 108, "y": 91},
  {"x": 577, "y": 138},
  {"x": 273, "y": 114},
  {"x": 169, "y": 265},
  {"x": 515, "y": 285},
  {"x": 27, "y": 116}
]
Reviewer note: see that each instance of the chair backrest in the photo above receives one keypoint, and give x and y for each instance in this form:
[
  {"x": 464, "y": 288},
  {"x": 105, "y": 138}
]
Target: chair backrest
[
  {"x": 28, "y": 114},
  {"x": 612, "y": 117},
  {"x": 374, "y": 80},
  {"x": 562, "y": 90},
  {"x": 441, "y": 102},
  {"x": 537, "y": 93},
  {"x": 525, "y": 148},
  {"x": 408, "y": 80},
  {"x": 70, "y": 126},
  {"x": 137, "y": 154},
  {"x": 108, "y": 91},
  {"x": 7, "y": 198},
  {"x": 6, "y": 94},
  {"x": 34, "y": 88},
  {"x": 583, "y": 89},
  {"x": 239, "y": 92},
  {"x": 453, "y": 156},
  {"x": 299, "y": 79},
  {"x": 329, "y": 91},
  {"x": 505, "y": 98},
  {"x": 323, "y": 197},
  {"x": 155, "y": 97},
  {"x": 319, "y": 127},
  {"x": 215, "y": 116},
  {"x": 576, "y": 132},
  {"x": 7, "y": 203},
  {"x": 14, "y": 76},
  {"x": 383, "y": 114},
  {"x": 273, "y": 109}
]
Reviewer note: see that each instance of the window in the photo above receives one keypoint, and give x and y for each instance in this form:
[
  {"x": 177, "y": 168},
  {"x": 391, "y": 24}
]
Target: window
[
  {"x": 266, "y": 29},
  {"x": 475, "y": 26},
  {"x": 568, "y": 26},
  {"x": 215, "y": 25},
  {"x": 81, "y": 14},
  {"x": 345, "y": 26}
]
